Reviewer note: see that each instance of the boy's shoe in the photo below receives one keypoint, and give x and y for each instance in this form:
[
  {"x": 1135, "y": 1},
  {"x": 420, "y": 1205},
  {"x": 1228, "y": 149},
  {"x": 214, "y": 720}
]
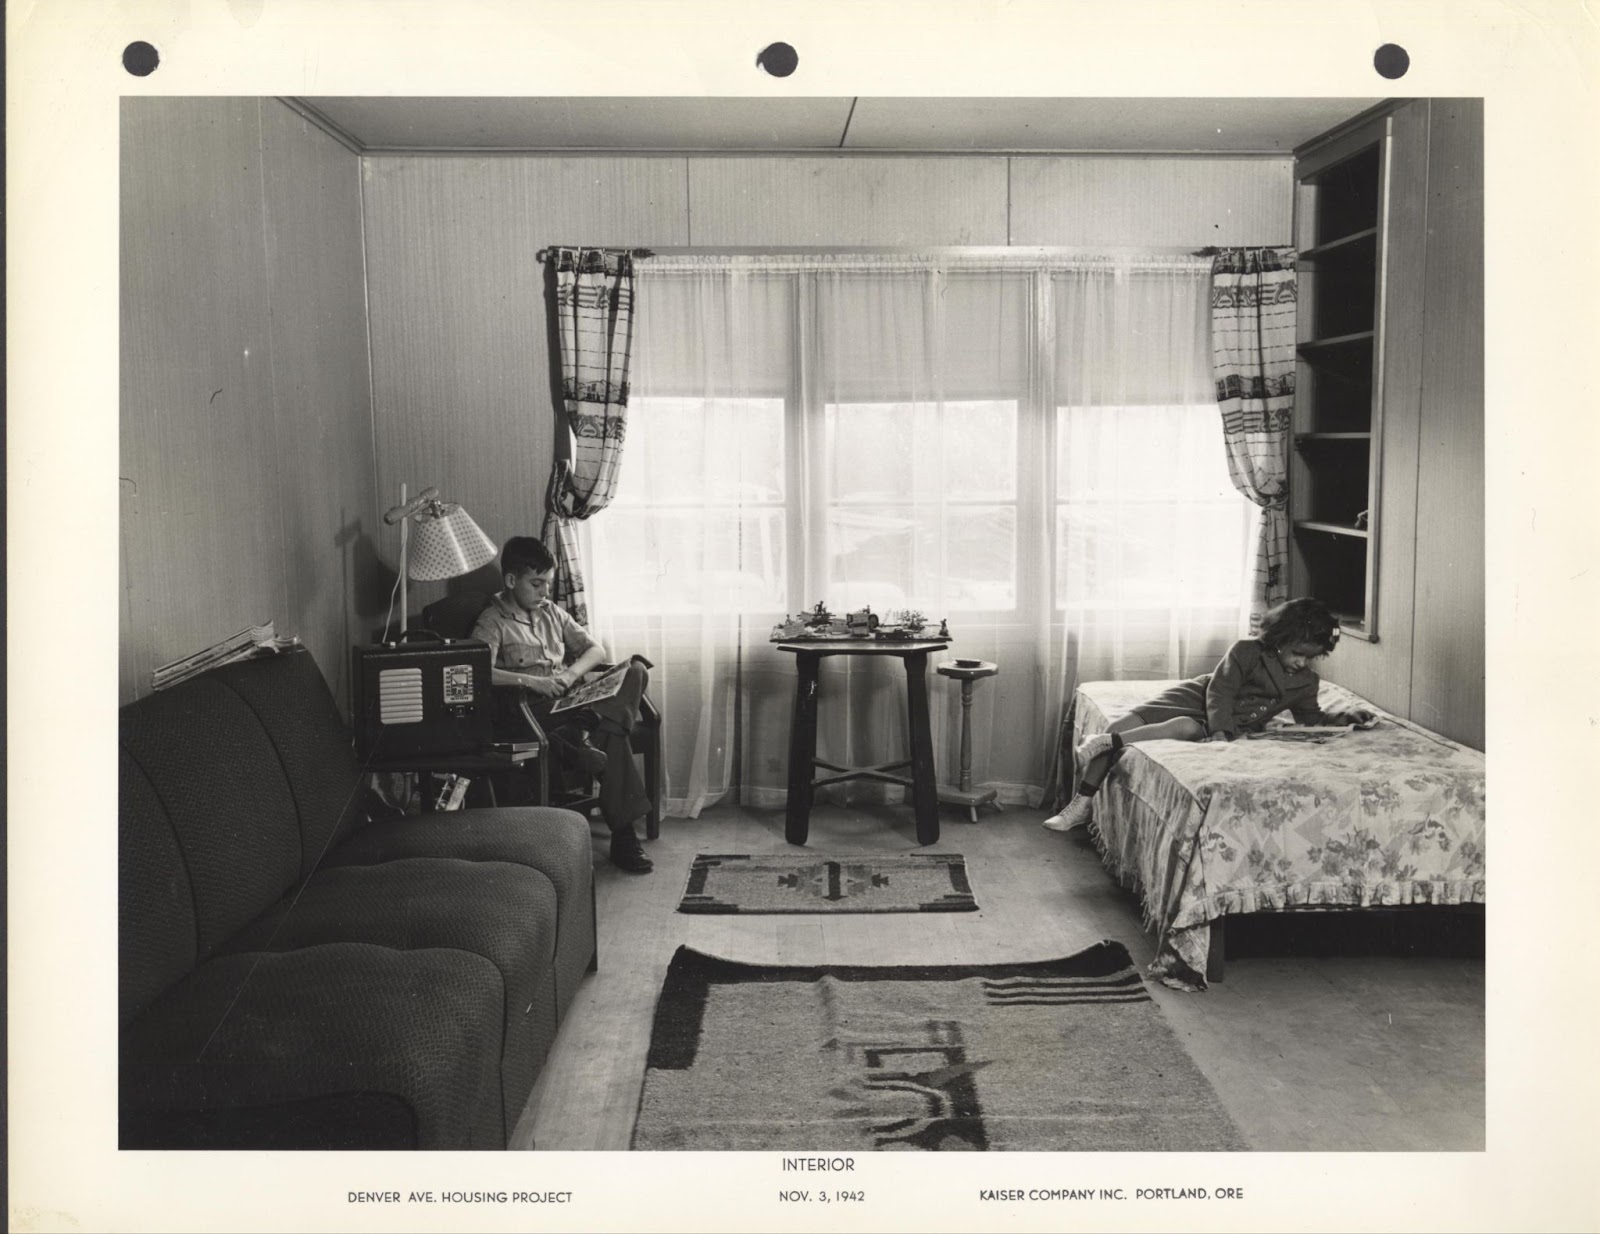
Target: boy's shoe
[
  {"x": 582, "y": 754},
  {"x": 627, "y": 853},
  {"x": 1076, "y": 814},
  {"x": 1091, "y": 748}
]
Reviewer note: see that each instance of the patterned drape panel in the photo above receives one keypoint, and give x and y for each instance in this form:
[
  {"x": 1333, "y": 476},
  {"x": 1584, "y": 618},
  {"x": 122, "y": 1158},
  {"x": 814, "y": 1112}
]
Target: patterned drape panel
[
  {"x": 1253, "y": 354},
  {"x": 594, "y": 312}
]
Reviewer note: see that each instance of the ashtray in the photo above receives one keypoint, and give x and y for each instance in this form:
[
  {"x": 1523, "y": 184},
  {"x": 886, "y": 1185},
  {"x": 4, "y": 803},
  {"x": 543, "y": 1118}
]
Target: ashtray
[{"x": 968, "y": 663}]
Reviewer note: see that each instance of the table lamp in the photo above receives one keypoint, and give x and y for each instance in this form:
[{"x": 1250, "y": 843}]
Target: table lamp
[{"x": 446, "y": 543}]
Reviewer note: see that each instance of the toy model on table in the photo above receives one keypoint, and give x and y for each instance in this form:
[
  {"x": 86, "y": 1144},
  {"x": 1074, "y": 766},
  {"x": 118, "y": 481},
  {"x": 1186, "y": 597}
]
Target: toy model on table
[{"x": 819, "y": 625}]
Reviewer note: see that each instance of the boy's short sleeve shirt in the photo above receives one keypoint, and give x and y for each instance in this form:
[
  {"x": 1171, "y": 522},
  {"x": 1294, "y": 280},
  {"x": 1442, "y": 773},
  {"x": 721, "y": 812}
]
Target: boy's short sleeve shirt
[{"x": 539, "y": 642}]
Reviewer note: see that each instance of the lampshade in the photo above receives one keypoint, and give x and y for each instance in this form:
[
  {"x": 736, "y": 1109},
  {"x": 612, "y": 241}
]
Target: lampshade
[{"x": 445, "y": 543}]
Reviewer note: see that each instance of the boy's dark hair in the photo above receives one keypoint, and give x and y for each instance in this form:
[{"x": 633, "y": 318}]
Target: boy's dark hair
[
  {"x": 1305, "y": 621},
  {"x": 521, "y": 553}
]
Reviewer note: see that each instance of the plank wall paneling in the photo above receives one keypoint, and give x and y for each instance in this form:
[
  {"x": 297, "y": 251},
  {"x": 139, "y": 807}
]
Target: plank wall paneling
[
  {"x": 1447, "y": 679},
  {"x": 243, "y": 359},
  {"x": 202, "y": 545},
  {"x": 847, "y": 201},
  {"x": 1381, "y": 670},
  {"x": 321, "y": 386},
  {"x": 460, "y": 351},
  {"x": 1155, "y": 200}
]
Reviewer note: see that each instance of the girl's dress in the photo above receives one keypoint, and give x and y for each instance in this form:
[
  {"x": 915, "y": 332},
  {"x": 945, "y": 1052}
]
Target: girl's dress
[{"x": 1248, "y": 688}]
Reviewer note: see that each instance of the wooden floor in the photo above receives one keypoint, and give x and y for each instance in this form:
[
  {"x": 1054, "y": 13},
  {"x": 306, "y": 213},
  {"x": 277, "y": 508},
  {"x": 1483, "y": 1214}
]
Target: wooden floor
[{"x": 1351, "y": 1053}]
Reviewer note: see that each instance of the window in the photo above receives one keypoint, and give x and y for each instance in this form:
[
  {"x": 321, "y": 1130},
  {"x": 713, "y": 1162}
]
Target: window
[
  {"x": 882, "y": 437},
  {"x": 922, "y": 505},
  {"x": 699, "y": 518},
  {"x": 1022, "y": 443},
  {"x": 1146, "y": 516}
]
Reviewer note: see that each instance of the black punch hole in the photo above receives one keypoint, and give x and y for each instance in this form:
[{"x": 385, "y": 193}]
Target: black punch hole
[
  {"x": 140, "y": 59},
  {"x": 1391, "y": 61},
  {"x": 779, "y": 59}
]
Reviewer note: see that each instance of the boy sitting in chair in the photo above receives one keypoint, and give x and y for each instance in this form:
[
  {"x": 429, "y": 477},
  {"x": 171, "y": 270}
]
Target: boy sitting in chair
[{"x": 529, "y": 640}]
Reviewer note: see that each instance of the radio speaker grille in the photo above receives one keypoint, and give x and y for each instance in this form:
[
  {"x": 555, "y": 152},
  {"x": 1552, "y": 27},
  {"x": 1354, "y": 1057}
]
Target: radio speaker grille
[{"x": 400, "y": 696}]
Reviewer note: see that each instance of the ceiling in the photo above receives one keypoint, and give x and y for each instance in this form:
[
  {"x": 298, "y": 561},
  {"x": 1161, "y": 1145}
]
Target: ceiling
[{"x": 865, "y": 125}]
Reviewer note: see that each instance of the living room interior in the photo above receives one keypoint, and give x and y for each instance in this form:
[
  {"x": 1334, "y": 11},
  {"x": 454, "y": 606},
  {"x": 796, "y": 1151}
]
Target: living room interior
[{"x": 333, "y": 304}]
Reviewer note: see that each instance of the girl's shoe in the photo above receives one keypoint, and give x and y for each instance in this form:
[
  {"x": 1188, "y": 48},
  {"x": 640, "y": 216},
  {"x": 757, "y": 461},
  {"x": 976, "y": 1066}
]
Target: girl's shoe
[
  {"x": 1075, "y": 815},
  {"x": 1091, "y": 748}
]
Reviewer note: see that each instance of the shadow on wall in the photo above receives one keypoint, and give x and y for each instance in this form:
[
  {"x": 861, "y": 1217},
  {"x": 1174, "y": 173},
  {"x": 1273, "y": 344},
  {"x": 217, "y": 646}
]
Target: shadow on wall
[
  {"x": 368, "y": 579},
  {"x": 484, "y": 581}
]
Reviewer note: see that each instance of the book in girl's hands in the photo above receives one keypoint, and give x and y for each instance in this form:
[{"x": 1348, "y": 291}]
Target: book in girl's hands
[
  {"x": 1305, "y": 732},
  {"x": 592, "y": 691}
]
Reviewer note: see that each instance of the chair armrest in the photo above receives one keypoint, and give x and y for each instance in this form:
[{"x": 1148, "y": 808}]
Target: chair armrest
[{"x": 511, "y": 707}]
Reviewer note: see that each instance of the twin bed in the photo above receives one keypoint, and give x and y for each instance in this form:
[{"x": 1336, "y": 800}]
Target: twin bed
[{"x": 1387, "y": 818}]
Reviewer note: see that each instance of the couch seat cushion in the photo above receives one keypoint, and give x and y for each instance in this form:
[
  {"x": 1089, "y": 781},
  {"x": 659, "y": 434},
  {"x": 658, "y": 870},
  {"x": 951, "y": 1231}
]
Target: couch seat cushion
[
  {"x": 501, "y": 911},
  {"x": 263, "y": 1029},
  {"x": 555, "y": 842}
]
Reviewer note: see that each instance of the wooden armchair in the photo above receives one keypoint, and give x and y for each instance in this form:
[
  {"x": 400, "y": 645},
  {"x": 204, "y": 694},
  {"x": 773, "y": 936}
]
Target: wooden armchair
[{"x": 455, "y": 615}]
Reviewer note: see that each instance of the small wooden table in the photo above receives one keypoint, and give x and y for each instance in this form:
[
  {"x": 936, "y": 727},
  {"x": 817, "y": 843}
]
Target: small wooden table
[{"x": 803, "y": 758}]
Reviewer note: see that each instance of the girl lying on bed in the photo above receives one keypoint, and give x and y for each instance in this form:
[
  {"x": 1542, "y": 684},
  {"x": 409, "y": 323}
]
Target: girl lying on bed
[{"x": 1258, "y": 678}]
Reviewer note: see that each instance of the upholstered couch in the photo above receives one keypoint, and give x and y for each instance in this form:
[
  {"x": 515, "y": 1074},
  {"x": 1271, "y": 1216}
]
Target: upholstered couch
[{"x": 293, "y": 974}]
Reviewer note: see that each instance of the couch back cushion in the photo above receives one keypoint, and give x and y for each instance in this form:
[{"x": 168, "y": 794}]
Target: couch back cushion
[
  {"x": 218, "y": 785},
  {"x": 293, "y": 703},
  {"x": 156, "y": 934}
]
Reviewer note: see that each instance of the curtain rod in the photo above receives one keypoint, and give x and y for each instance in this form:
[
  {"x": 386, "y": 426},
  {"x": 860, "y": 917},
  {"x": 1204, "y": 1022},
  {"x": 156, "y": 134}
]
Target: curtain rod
[
  {"x": 1016, "y": 251},
  {"x": 546, "y": 254},
  {"x": 672, "y": 264}
]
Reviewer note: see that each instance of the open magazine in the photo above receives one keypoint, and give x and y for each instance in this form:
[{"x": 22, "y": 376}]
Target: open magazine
[
  {"x": 592, "y": 691},
  {"x": 254, "y": 641},
  {"x": 1299, "y": 732},
  {"x": 1305, "y": 732}
]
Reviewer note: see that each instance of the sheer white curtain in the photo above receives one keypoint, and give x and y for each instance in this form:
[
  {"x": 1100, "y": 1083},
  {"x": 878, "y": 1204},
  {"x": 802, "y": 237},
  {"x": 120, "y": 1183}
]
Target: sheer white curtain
[
  {"x": 1021, "y": 445},
  {"x": 692, "y": 561},
  {"x": 923, "y": 391},
  {"x": 1151, "y": 542}
]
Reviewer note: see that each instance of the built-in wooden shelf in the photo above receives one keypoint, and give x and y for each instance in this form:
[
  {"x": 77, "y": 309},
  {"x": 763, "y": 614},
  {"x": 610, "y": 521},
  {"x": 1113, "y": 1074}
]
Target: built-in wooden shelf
[
  {"x": 1312, "y": 439},
  {"x": 1343, "y": 245},
  {"x": 1345, "y": 358},
  {"x": 1312, "y": 346},
  {"x": 1341, "y": 221},
  {"x": 1337, "y": 529}
]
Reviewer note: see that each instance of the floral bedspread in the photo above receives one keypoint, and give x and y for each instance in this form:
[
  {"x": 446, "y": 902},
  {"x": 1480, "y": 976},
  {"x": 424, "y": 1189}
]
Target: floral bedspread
[{"x": 1389, "y": 816}]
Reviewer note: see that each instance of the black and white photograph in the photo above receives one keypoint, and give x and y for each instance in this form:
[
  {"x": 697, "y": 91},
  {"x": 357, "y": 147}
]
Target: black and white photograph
[{"x": 816, "y": 626}]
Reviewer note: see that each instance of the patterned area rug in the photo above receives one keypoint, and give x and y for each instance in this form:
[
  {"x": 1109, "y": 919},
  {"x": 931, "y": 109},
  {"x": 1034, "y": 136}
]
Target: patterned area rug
[
  {"x": 1055, "y": 1055},
  {"x": 801, "y": 883}
]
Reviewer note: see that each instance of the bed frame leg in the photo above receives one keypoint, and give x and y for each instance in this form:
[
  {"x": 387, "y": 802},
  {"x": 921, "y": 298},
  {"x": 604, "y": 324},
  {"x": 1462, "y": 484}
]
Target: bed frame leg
[{"x": 1216, "y": 954}]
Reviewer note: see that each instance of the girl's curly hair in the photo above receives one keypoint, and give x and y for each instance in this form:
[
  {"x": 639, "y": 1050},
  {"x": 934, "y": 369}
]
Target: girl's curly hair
[{"x": 1305, "y": 621}]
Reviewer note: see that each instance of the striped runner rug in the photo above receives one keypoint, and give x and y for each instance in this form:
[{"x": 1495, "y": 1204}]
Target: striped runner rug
[{"x": 1053, "y": 1055}]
